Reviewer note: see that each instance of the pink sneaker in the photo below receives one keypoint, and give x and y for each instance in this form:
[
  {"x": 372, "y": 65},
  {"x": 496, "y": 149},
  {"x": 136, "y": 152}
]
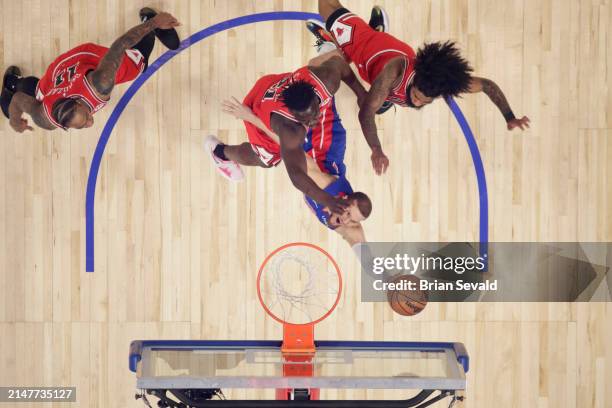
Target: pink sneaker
[{"x": 228, "y": 168}]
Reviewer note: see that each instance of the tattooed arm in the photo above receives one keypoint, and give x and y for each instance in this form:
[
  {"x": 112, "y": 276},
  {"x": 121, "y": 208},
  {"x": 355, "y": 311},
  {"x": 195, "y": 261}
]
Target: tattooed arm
[
  {"x": 380, "y": 89},
  {"x": 496, "y": 96},
  {"x": 103, "y": 78},
  {"x": 24, "y": 103}
]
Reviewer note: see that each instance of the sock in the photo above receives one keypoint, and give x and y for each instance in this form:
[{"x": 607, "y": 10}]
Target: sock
[{"x": 219, "y": 152}]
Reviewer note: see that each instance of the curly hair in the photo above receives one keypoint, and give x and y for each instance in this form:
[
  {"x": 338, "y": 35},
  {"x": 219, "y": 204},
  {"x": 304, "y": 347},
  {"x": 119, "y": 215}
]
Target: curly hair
[
  {"x": 441, "y": 70},
  {"x": 298, "y": 96}
]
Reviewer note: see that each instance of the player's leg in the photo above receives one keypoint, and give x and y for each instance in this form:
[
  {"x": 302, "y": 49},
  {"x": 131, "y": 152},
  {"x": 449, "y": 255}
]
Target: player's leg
[
  {"x": 328, "y": 7},
  {"x": 9, "y": 87},
  {"x": 28, "y": 85},
  {"x": 348, "y": 32},
  {"x": 168, "y": 37},
  {"x": 241, "y": 154},
  {"x": 5, "y": 102},
  {"x": 227, "y": 167},
  {"x": 379, "y": 20},
  {"x": 145, "y": 46},
  {"x": 324, "y": 42},
  {"x": 12, "y": 82}
]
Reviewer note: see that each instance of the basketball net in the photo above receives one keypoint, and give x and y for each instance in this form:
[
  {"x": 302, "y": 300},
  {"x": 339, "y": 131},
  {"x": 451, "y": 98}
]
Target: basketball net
[{"x": 299, "y": 285}]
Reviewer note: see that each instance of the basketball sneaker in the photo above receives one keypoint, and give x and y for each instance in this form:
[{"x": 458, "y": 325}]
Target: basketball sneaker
[
  {"x": 10, "y": 78},
  {"x": 9, "y": 87},
  {"x": 379, "y": 20},
  {"x": 228, "y": 168},
  {"x": 168, "y": 37},
  {"x": 322, "y": 36}
]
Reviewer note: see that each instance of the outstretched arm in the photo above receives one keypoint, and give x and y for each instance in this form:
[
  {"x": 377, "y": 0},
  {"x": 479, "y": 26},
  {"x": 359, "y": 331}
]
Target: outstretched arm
[
  {"x": 24, "y": 103},
  {"x": 367, "y": 113},
  {"x": 243, "y": 112},
  {"x": 496, "y": 96},
  {"x": 291, "y": 136},
  {"x": 103, "y": 78},
  {"x": 353, "y": 234}
]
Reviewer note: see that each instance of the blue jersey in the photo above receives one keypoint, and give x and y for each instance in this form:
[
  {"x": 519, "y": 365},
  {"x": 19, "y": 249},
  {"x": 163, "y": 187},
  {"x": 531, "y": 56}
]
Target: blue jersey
[
  {"x": 326, "y": 142},
  {"x": 339, "y": 188}
]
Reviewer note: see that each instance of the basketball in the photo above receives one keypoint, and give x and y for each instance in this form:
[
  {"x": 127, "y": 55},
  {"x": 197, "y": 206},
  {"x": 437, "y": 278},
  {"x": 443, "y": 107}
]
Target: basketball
[{"x": 405, "y": 301}]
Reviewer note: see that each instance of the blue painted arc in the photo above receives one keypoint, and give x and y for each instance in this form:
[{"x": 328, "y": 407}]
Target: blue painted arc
[
  {"x": 480, "y": 177},
  {"x": 154, "y": 67}
]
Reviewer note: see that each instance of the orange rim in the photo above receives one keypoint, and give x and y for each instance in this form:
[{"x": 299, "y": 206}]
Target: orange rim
[{"x": 293, "y": 244}]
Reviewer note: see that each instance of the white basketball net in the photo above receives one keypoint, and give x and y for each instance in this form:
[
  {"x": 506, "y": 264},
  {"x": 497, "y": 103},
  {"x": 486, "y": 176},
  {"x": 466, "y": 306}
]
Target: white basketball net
[{"x": 299, "y": 285}]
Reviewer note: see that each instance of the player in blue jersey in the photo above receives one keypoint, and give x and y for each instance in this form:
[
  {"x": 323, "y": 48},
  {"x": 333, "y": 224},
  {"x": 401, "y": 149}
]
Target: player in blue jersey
[{"x": 324, "y": 147}]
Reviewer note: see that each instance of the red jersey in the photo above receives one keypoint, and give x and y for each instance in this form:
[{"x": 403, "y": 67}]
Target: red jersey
[
  {"x": 66, "y": 77},
  {"x": 398, "y": 94},
  {"x": 264, "y": 100},
  {"x": 268, "y": 101},
  {"x": 371, "y": 50}
]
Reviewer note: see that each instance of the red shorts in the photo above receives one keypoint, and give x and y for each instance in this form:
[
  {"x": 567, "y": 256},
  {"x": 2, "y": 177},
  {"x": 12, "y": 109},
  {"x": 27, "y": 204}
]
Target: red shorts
[
  {"x": 369, "y": 49},
  {"x": 264, "y": 147}
]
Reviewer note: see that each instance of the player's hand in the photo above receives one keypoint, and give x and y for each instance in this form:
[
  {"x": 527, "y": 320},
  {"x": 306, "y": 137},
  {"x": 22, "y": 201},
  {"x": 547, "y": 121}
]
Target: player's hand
[
  {"x": 336, "y": 205},
  {"x": 165, "y": 21},
  {"x": 237, "y": 109},
  {"x": 20, "y": 125},
  {"x": 522, "y": 123},
  {"x": 380, "y": 161}
]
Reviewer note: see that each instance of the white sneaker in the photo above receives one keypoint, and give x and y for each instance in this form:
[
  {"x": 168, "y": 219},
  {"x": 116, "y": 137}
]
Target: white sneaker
[{"x": 228, "y": 168}]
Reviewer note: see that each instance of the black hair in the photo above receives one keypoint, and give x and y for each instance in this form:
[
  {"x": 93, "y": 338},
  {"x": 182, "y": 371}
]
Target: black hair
[
  {"x": 63, "y": 111},
  {"x": 298, "y": 96},
  {"x": 363, "y": 203},
  {"x": 441, "y": 70}
]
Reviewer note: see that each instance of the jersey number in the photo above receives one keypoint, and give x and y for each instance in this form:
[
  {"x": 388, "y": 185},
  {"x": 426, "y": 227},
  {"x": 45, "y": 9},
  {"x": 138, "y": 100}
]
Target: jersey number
[
  {"x": 60, "y": 78},
  {"x": 271, "y": 92}
]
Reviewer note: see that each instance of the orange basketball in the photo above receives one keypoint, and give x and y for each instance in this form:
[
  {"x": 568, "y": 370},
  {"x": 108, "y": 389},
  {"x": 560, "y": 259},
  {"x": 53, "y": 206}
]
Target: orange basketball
[{"x": 405, "y": 301}]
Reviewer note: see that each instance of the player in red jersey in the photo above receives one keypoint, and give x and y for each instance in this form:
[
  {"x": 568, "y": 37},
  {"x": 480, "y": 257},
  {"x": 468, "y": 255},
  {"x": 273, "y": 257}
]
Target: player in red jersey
[
  {"x": 289, "y": 105},
  {"x": 396, "y": 74},
  {"x": 79, "y": 82},
  {"x": 324, "y": 151}
]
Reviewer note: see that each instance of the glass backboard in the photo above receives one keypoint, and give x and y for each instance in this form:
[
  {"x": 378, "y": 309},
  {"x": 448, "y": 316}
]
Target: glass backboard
[{"x": 335, "y": 364}]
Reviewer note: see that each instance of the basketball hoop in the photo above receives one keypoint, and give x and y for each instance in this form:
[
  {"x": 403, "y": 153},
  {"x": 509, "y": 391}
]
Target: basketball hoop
[{"x": 299, "y": 285}]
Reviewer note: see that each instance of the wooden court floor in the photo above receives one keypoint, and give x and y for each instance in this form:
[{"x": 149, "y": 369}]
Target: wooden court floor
[{"x": 177, "y": 246}]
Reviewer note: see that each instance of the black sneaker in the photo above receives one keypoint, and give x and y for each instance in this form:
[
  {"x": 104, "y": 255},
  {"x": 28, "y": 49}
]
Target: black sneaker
[
  {"x": 11, "y": 76},
  {"x": 167, "y": 37},
  {"x": 379, "y": 20},
  {"x": 318, "y": 30},
  {"x": 385, "y": 107}
]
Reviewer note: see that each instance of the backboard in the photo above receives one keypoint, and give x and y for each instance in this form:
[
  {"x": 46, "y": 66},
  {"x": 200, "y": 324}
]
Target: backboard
[{"x": 335, "y": 365}]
